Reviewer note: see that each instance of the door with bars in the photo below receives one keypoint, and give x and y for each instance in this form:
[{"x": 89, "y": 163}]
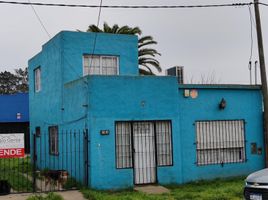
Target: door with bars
[
  {"x": 143, "y": 146},
  {"x": 144, "y": 153}
]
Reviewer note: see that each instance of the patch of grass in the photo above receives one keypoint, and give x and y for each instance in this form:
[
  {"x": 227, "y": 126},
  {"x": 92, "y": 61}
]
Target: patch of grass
[
  {"x": 218, "y": 189},
  {"x": 71, "y": 183},
  {"x": 16, "y": 171},
  {"x": 50, "y": 196}
]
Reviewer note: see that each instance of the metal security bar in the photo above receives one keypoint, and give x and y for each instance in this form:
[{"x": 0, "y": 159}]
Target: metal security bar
[
  {"x": 58, "y": 161},
  {"x": 123, "y": 145},
  {"x": 164, "y": 143},
  {"x": 143, "y": 145},
  {"x": 220, "y": 141},
  {"x": 60, "y": 157}
]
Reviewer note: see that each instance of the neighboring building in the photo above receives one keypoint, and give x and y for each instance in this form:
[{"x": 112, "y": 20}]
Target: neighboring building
[
  {"x": 141, "y": 129},
  {"x": 14, "y": 115}
]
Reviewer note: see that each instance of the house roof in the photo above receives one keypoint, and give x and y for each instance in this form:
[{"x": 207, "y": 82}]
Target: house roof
[
  {"x": 14, "y": 108},
  {"x": 220, "y": 86}
]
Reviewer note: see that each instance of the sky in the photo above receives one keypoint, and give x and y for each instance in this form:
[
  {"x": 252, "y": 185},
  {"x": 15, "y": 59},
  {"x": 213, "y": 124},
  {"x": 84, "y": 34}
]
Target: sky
[{"x": 211, "y": 43}]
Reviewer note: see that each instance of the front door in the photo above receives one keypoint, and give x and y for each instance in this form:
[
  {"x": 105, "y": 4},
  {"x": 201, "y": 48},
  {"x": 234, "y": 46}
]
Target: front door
[{"x": 144, "y": 153}]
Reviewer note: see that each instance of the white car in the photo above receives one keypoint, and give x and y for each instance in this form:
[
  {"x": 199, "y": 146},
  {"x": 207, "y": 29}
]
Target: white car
[{"x": 257, "y": 186}]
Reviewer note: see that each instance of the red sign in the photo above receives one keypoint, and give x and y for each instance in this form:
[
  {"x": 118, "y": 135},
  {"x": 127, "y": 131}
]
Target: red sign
[
  {"x": 11, "y": 153},
  {"x": 12, "y": 145}
]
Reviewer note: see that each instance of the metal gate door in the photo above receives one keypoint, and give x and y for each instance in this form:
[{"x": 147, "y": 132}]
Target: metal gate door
[{"x": 144, "y": 152}]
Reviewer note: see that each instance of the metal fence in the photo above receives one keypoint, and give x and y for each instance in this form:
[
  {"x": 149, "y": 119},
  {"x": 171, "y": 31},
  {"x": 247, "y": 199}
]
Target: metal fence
[{"x": 58, "y": 161}]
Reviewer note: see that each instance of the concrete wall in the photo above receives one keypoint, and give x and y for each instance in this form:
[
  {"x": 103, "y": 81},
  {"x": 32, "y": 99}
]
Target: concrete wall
[
  {"x": 129, "y": 98},
  {"x": 243, "y": 103},
  {"x": 61, "y": 101},
  {"x": 97, "y": 102}
]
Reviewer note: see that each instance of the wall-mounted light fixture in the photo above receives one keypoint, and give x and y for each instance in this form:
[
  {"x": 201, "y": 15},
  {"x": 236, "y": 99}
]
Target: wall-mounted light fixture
[{"x": 222, "y": 104}]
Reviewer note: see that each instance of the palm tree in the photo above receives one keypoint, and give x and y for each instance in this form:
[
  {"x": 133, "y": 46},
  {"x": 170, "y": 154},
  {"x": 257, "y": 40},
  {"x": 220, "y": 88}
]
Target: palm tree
[{"x": 146, "y": 56}]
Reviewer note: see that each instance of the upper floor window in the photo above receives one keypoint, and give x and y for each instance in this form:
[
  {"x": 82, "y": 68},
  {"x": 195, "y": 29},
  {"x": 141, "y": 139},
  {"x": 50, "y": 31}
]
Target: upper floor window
[
  {"x": 100, "y": 65},
  {"x": 37, "y": 79}
]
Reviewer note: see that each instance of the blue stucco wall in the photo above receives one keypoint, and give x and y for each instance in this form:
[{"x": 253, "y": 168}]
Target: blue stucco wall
[
  {"x": 114, "y": 99},
  {"x": 61, "y": 61},
  {"x": 242, "y": 104},
  {"x": 12, "y": 104},
  {"x": 97, "y": 102},
  {"x": 77, "y": 44},
  {"x": 62, "y": 101}
]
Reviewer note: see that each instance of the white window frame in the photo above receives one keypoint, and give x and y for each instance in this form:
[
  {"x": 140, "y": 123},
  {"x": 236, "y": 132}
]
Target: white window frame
[
  {"x": 53, "y": 140},
  {"x": 220, "y": 142},
  {"x": 37, "y": 79},
  {"x": 101, "y": 67}
]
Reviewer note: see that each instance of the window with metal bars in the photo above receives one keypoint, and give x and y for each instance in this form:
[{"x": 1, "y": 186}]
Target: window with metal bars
[
  {"x": 163, "y": 141},
  {"x": 220, "y": 141},
  {"x": 123, "y": 145},
  {"x": 53, "y": 140}
]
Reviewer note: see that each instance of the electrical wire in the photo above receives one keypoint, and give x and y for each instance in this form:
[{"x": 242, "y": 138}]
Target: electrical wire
[
  {"x": 39, "y": 19},
  {"x": 49, "y": 36},
  {"x": 130, "y": 6},
  {"x": 264, "y": 4}
]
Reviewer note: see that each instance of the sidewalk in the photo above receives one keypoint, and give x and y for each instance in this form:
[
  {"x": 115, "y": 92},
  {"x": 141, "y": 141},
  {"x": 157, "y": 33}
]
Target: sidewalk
[{"x": 67, "y": 195}]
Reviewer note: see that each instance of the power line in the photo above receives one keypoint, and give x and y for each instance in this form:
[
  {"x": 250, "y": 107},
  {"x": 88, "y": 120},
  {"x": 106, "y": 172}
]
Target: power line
[
  {"x": 40, "y": 21},
  {"x": 264, "y": 4},
  {"x": 130, "y": 6}
]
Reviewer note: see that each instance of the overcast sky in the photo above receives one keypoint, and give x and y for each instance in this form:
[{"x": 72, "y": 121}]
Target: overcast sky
[{"x": 206, "y": 41}]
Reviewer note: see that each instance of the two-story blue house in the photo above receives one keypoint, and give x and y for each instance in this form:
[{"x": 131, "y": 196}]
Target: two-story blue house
[{"x": 136, "y": 129}]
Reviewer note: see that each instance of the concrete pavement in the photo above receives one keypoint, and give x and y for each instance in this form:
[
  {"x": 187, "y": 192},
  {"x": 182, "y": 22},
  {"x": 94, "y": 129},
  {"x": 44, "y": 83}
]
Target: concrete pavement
[{"x": 67, "y": 195}]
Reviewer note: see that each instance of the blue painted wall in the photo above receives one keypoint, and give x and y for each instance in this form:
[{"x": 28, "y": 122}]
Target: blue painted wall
[
  {"x": 121, "y": 99},
  {"x": 12, "y": 104},
  {"x": 243, "y": 103},
  {"x": 97, "y": 102},
  {"x": 61, "y": 62},
  {"x": 61, "y": 101}
]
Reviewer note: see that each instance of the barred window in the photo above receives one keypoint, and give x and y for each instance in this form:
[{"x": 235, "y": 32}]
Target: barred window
[
  {"x": 53, "y": 140},
  {"x": 161, "y": 138},
  {"x": 164, "y": 144},
  {"x": 123, "y": 145},
  {"x": 220, "y": 141}
]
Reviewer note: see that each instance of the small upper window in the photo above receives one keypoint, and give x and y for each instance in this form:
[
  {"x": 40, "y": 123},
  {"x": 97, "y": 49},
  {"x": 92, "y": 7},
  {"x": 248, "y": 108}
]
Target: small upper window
[
  {"x": 100, "y": 65},
  {"x": 37, "y": 79}
]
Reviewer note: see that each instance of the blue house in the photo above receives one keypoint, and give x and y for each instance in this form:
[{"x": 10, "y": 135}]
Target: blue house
[
  {"x": 93, "y": 116},
  {"x": 14, "y": 115}
]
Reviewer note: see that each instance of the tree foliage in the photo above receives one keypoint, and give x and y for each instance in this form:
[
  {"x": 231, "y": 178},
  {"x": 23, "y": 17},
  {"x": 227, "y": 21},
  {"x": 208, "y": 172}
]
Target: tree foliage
[
  {"x": 11, "y": 83},
  {"x": 146, "y": 55}
]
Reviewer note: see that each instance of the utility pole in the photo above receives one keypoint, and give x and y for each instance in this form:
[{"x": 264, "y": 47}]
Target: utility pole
[{"x": 263, "y": 77}]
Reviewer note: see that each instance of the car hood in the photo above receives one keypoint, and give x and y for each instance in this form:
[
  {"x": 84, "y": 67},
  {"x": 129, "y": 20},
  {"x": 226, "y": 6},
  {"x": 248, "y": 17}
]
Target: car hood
[{"x": 258, "y": 176}]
